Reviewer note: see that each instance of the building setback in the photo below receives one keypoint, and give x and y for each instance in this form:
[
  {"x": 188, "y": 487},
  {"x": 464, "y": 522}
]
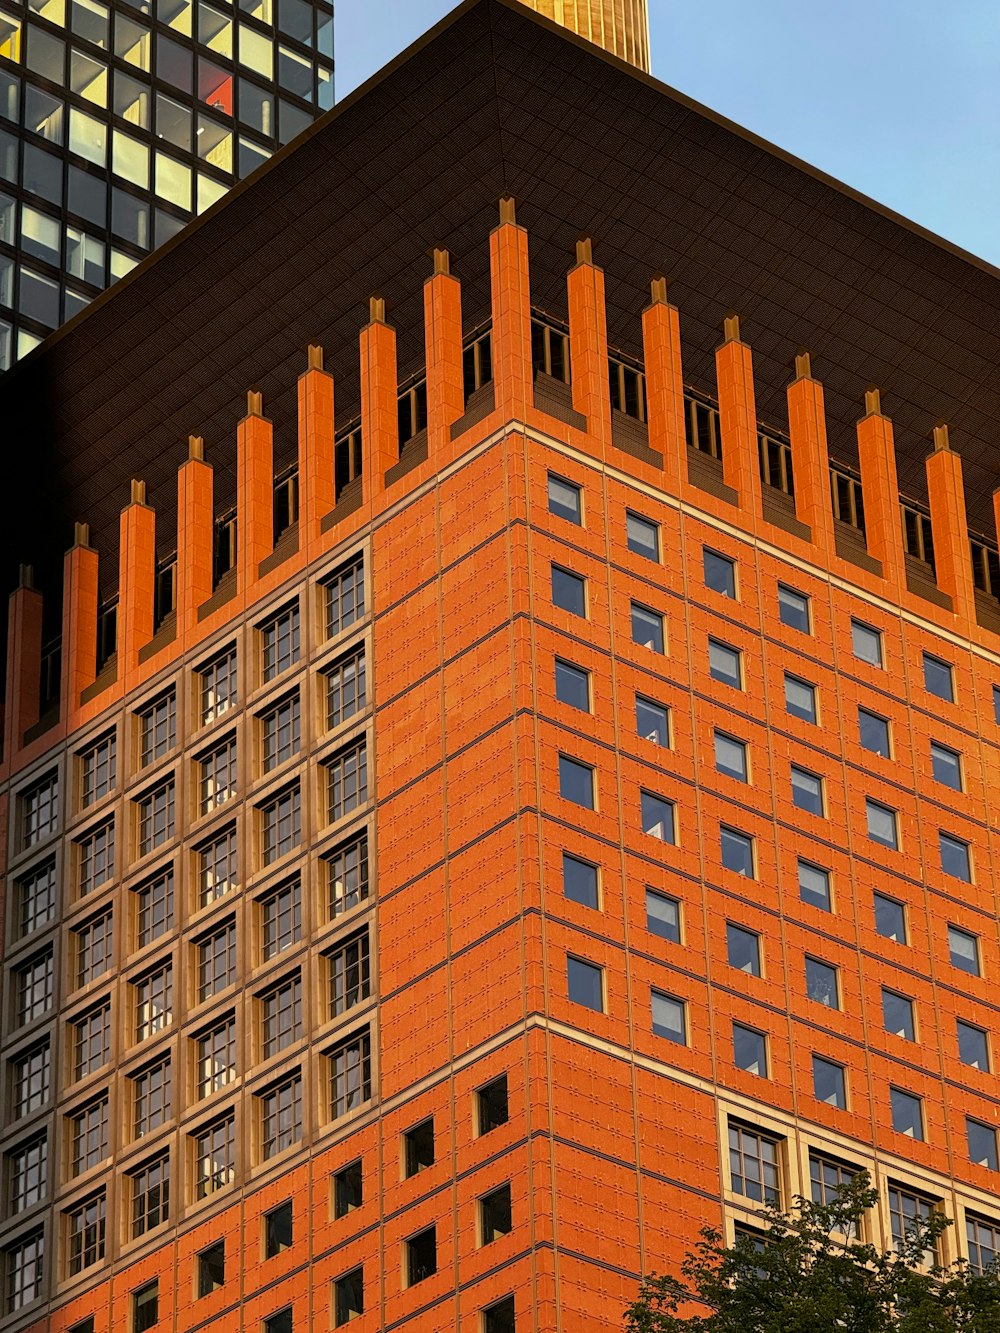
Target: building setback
[{"x": 515, "y": 787}]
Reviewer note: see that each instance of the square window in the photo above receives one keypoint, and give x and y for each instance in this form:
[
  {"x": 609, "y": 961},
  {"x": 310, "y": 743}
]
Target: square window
[
  {"x": 499, "y": 1317},
  {"x": 800, "y": 699},
  {"x": 278, "y": 1230},
  {"x": 657, "y": 817},
  {"x": 569, "y": 591},
  {"x": 907, "y": 1113},
  {"x": 212, "y": 1268},
  {"x": 814, "y": 886},
  {"x": 897, "y": 1014},
  {"x": 647, "y": 628},
  {"x": 492, "y": 1109},
  {"x": 576, "y": 782},
  {"x": 572, "y": 685},
  {"x": 881, "y": 822},
  {"x": 793, "y": 608},
  {"x": 829, "y": 1083},
  {"x": 807, "y": 791},
  {"x": 890, "y": 918},
  {"x": 348, "y": 1189},
  {"x": 495, "y": 1215},
  {"x": 668, "y": 1018},
  {"x": 750, "y": 1050},
  {"x": 643, "y": 536},
  {"x": 873, "y": 732},
  {"x": 349, "y": 1297},
  {"x": 421, "y": 1256},
  {"x": 725, "y": 664},
  {"x": 973, "y": 1045},
  {"x": 731, "y": 757},
  {"x": 565, "y": 499},
  {"x": 946, "y": 766},
  {"x": 821, "y": 983},
  {"x": 867, "y": 643},
  {"x": 963, "y": 950},
  {"x": 663, "y": 916},
  {"x": 585, "y": 983},
  {"x": 579, "y": 881},
  {"x": 652, "y": 721},
  {"x": 956, "y": 859},
  {"x": 418, "y": 1148},
  {"x": 736, "y": 850},
  {"x": 719, "y": 573},
  {"x": 743, "y": 949},
  {"x": 938, "y": 678},
  {"x": 982, "y": 1141}
]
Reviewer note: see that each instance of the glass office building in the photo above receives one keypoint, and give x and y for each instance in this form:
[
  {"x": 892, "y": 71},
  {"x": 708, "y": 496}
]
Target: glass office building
[{"x": 119, "y": 122}]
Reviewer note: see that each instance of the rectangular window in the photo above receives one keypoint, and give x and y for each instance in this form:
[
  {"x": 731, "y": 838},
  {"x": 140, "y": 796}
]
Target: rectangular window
[
  {"x": 215, "y": 1157},
  {"x": 154, "y": 908},
  {"x": 150, "y": 1186},
  {"x": 492, "y": 1109},
  {"x": 347, "y": 873},
  {"x": 867, "y": 643},
  {"x": 753, "y": 1165},
  {"x": 829, "y": 1082},
  {"x": 956, "y": 858},
  {"x": 156, "y": 817},
  {"x": 657, "y": 816},
  {"x": 663, "y": 916},
  {"x": 217, "y": 776},
  {"x": 157, "y": 728},
  {"x": 150, "y": 1098},
  {"x": 95, "y": 857},
  {"x": 153, "y": 999},
  {"x": 280, "y": 732},
  {"x": 963, "y": 950},
  {"x": 88, "y": 1136},
  {"x": 749, "y": 1050},
  {"x": 669, "y": 1018},
  {"x": 215, "y": 1054},
  {"x": 27, "y": 1174},
  {"x": 938, "y": 678},
  {"x": 91, "y": 1040},
  {"x": 349, "y": 972},
  {"x": 719, "y": 572},
  {"x": 652, "y": 721},
  {"x": 346, "y": 688},
  {"x": 349, "y": 1297},
  {"x": 24, "y": 1262},
  {"x": 217, "y": 960},
  {"x": 31, "y": 1075},
  {"x": 793, "y": 608},
  {"x": 36, "y": 898},
  {"x": 565, "y": 500},
  {"x": 218, "y": 686},
  {"x": 897, "y": 1014},
  {"x": 585, "y": 983},
  {"x": 282, "y": 1321},
  {"x": 350, "y": 1074},
  {"x": 281, "y": 918},
  {"x": 279, "y": 637},
  {"x": 800, "y": 698},
  {"x": 281, "y": 824},
  {"x": 821, "y": 983},
  {"x": 576, "y": 782},
  {"x": 807, "y": 791},
  {"x": 946, "y": 766},
  {"x": 33, "y": 982},
  {"x": 97, "y": 770},
  {"x": 421, "y": 1256},
  {"x": 217, "y": 867},
  {"x": 499, "y": 1317},
  {"x": 39, "y": 810},
  {"x": 348, "y": 1189},
  {"x": 85, "y": 1227},
  {"x": 643, "y": 536},
  {"x": 973, "y": 1045},
  {"x": 873, "y": 732},
  {"x": 907, "y": 1210},
  {"x": 579, "y": 881},
  {"x": 731, "y": 757},
  {"x": 212, "y": 1268},
  {"x": 907, "y": 1113},
  {"x": 890, "y": 918},
  {"x": 881, "y": 823},
  {"x": 418, "y": 1148},
  {"x": 347, "y": 776},
  {"x": 281, "y": 1015},
  {"x": 345, "y": 598},
  {"x": 572, "y": 685},
  {"x": 647, "y": 628},
  {"x": 743, "y": 949},
  {"x": 737, "y": 852},
  {"x": 827, "y": 1177},
  {"x": 983, "y": 1239},
  {"x": 280, "y": 1117},
  {"x": 569, "y": 591},
  {"x": 495, "y": 1215},
  {"x": 725, "y": 664},
  {"x": 814, "y": 886},
  {"x": 92, "y": 947}
]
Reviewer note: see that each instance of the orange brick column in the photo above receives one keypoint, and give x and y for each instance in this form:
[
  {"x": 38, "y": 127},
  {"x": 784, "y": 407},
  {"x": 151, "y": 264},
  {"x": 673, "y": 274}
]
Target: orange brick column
[
  {"x": 195, "y": 534},
  {"x": 316, "y": 486},
  {"x": 79, "y": 621},
  {"x": 810, "y": 455},
  {"x": 738, "y": 419},
  {"x": 512, "y": 378},
  {"x": 953, "y": 565},
  {"x": 443, "y": 341},
  {"x": 254, "y": 492},
  {"x": 883, "y": 523},
  {"x": 379, "y": 400},
  {"x": 588, "y": 341},
  {"x": 661, "y": 336},
  {"x": 136, "y": 581},
  {"x": 24, "y": 662}
]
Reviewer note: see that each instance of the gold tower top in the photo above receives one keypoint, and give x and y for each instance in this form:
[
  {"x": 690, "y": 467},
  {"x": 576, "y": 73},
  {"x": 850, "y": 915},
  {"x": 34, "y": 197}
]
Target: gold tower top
[{"x": 620, "y": 26}]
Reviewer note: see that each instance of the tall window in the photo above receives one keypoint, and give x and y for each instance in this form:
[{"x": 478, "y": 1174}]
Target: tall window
[
  {"x": 345, "y": 597},
  {"x": 281, "y": 1015},
  {"x": 281, "y": 918},
  {"x": 85, "y": 1226},
  {"x": 153, "y": 998},
  {"x": 279, "y": 638},
  {"x": 569, "y": 591},
  {"x": 215, "y": 1157},
  {"x": 150, "y": 1098},
  {"x": 983, "y": 1237},
  {"x": 217, "y": 866},
  {"x": 24, "y": 1261},
  {"x": 217, "y": 960},
  {"x": 281, "y": 823},
  {"x": 907, "y": 1208},
  {"x": 565, "y": 499},
  {"x": 346, "y": 690},
  {"x": 350, "y": 1074},
  {"x": 719, "y": 572},
  {"x": 349, "y": 968},
  {"x": 348, "y": 779},
  {"x": 215, "y": 1052},
  {"x": 88, "y": 1136},
  {"x": 33, "y": 987},
  {"x": 753, "y": 1164},
  {"x": 39, "y": 808},
  {"x": 154, "y": 907},
  {"x": 157, "y": 728},
  {"x": 347, "y": 870},
  {"x": 32, "y": 1072},
  {"x": 156, "y": 817},
  {"x": 95, "y": 853},
  {"x": 97, "y": 769},
  {"x": 150, "y": 1189},
  {"x": 939, "y": 678},
  {"x": 27, "y": 1173},
  {"x": 280, "y": 732},
  {"x": 218, "y": 685},
  {"x": 36, "y": 898},
  {"x": 643, "y": 536},
  {"x": 92, "y": 1040},
  {"x": 93, "y": 943},
  {"x": 647, "y": 628},
  {"x": 280, "y": 1117},
  {"x": 217, "y": 776}
]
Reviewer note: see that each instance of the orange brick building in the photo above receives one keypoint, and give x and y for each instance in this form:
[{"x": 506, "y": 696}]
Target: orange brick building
[{"x": 502, "y": 800}]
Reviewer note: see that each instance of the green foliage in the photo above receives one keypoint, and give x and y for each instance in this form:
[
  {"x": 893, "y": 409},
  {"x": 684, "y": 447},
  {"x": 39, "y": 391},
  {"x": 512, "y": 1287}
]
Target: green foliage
[{"x": 811, "y": 1277}]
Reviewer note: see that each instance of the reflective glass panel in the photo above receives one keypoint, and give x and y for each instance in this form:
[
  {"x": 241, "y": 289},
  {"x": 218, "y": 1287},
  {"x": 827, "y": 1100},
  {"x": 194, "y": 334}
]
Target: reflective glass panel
[
  {"x": 39, "y": 297},
  {"x": 89, "y": 20},
  {"x": 43, "y": 114},
  {"x": 40, "y": 235},
  {"x": 88, "y": 77},
  {"x": 131, "y": 160},
  {"x": 132, "y": 100},
  {"x": 88, "y": 137}
]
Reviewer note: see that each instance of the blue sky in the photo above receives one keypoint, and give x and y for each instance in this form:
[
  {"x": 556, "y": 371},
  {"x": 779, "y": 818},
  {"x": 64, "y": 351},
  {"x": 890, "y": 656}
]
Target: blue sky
[{"x": 898, "y": 98}]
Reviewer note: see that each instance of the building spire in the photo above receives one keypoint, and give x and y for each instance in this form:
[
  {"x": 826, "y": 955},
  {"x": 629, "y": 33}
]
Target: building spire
[{"x": 620, "y": 26}]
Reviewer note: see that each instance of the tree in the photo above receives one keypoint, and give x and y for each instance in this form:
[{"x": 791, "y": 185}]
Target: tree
[{"x": 809, "y": 1272}]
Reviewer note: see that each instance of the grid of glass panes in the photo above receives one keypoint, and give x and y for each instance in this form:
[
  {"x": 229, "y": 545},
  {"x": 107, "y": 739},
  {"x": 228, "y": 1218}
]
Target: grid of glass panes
[
  {"x": 280, "y": 642},
  {"x": 280, "y": 729},
  {"x": 156, "y": 817},
  {"x": 97, "y": 769},
  {"x": 217, "y": 866},
  {"x": 753, "y": 1164},
  {"x": 280, "y": 1117},
  {"x": 93, "y": 948},
  {"x": 96, "y": 857},
  {"x": 281, "y": 918},
  {"x": 281, "y": 1015},
  {"x": 88, "y": 1136},
  {"x": 218, "y": 776},
  {"x": 39, "y": 809},
  {"x": 85, "y": 1228},
  {"x": 907, "y": 1209},
  {"x": 281, "y": 821},
  {"x": 350, "y": 974},
  {"x": 347, "y": 868},
  {"x": 33, "y": 981},
  {"x": 346, "y": 691},
  {"x": 216, "y": 1055},
  {"x": 153, "y": 997},
  {"x": 32, "y": 1077},
  {"x": 218, "y": 686},
  {"x": 350, "y": 1074},
  {"x": 92, "y": 1040},
  {"x": 215, "y": 1156},
  {"x": 157, "y": 728},
  {"x": 150, "y": 1195},
  {"x": 345, "y": 597},
  {"x": 154, "y": 908},
  {"x": 24, "y": 1262},
  {"x": 117, "y": 127},
  {"x": 348, "y": 777},
  {"x": 27, "y": 1167},
  {"x": 217, "y": 961},
  {"x": 983, "y": 1238},
  {"x": 150, "y": 1098},
  {"x": 36, "y": 897}
]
